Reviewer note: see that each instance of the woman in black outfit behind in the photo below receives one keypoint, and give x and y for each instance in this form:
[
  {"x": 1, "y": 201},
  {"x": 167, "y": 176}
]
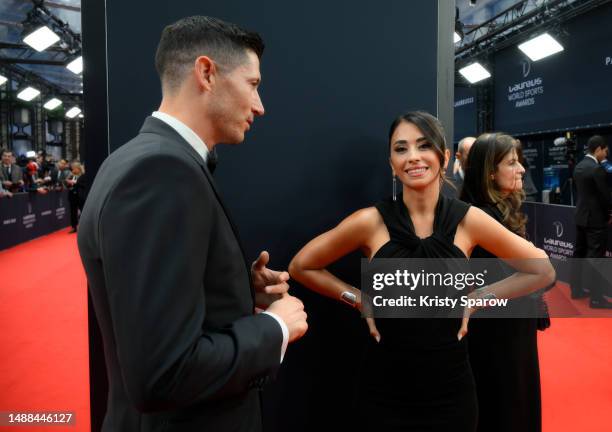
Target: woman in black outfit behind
[{"x": 503, "y": 351}]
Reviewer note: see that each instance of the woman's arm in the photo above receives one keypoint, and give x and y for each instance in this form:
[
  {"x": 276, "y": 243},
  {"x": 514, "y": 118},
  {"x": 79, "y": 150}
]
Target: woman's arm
[
  {"x": 534, "y": 270},
  {"x": 361, "y": 230},
  {"x": 533, "y": 265}
]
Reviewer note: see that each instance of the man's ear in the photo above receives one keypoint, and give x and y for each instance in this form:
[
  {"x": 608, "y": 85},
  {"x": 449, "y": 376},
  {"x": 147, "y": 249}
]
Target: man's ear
[
  {"x": 205, "y": 72},
  {"x": 446, "y": 158}
]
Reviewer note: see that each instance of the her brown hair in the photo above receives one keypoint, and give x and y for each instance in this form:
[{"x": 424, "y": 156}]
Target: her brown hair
[{"x": 482, "y": 190}]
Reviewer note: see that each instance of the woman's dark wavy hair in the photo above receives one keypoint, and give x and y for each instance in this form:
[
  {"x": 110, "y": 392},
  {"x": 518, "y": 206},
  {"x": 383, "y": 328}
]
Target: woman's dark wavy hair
[
  {"x": 430, "y": 127},
  {"x": 481, "y": 190}
]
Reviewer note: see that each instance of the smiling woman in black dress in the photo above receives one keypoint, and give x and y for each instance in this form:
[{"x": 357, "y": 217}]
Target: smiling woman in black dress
[{"x": 416, "y": 374}]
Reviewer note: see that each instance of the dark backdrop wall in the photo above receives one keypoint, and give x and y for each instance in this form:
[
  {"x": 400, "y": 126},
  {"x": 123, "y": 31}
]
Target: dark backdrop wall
[
  {"x": 465, "y": 113},
  {"x": 335, "y": 74}
]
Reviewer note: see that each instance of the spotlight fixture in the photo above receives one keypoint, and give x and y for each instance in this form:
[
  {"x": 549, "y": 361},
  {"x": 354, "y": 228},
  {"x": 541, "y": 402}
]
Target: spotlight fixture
[
  {"x": 28, "y": 94},
  {"x": 474, "y": 72},
  {"x": 51, "y": 104},
  {"x": 41, "y": 38},
  {"x": 540, "y": 47},
  {"x": 76, "y": 65},
  {"x": 3, "y": 79},
  {"x": 73, "y": 112},
  {"x": 458, "y": 35},
  {"x": 81, "y": 115}
]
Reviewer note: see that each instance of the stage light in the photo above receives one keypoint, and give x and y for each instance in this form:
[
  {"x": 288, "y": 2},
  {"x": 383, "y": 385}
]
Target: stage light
[
  {"x": 81, "y": 115},
  {"x": 459, "y": 33},
  {"x": 28, "y": 94},
  {"x": 73, "y": 112},
  {"x": 3, "y": 79},
  {"x": 51, "y": 104},
  {"x": 76, "y": 65},
  {"x": 41, "y": 39},
  {"x": 474, "y": 72},
  {"x": 540, "y": 47}
]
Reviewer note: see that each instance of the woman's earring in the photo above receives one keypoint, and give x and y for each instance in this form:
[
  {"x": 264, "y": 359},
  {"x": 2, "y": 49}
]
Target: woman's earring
[{"x": 394, "y": 188}]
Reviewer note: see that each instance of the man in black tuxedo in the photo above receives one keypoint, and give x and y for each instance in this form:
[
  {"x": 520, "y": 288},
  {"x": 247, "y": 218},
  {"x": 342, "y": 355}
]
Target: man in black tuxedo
[
  {"x": 593, "y": 208},
  {"x": 173, "y": 294}
]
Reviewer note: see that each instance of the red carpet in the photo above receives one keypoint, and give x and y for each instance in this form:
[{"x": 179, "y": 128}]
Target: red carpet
[
  {"x": 43, "y": 341},
  {"x": 44, "y": 365},
  {"x": 576, "y": 373}
]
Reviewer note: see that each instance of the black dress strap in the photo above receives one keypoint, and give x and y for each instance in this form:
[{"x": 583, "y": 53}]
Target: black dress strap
[
  {"x": 399, "y": 226},
  {"x": 449, "y": 214}
]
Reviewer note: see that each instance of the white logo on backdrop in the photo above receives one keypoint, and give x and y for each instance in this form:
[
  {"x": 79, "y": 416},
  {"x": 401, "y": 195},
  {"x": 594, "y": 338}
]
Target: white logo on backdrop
[
  {"x": 526, "y": 68},
  {"x": 559, "y": 227},
  {"x": 608, "y": 61},
  {"x": 465, "y": 101},
  {"x": 525, "y": 93}
]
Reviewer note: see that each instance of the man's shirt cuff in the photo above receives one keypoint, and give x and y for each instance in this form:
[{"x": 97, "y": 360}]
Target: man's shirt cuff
[{"x": 285, "y": 331}]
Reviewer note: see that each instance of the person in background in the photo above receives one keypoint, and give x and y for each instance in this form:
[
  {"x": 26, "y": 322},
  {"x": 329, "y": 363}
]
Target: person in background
[
  {"x": 503, "y": 351},
  {"x": 463, "y": 150},
  {"x": 60, "y": 174},
  {"x": 77, "y": 192},
  {"x": 11, "y": 174},
  {"x": 33, "y": 183},
  {"x": 593, "y": 207}
]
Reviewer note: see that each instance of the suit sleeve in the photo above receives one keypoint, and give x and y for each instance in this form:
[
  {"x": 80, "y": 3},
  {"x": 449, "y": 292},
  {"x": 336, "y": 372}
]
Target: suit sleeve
[
  {"x": 155, "y": 234},
  {"x": 18, "y": 176},
  {"x": 602, "y": 188}
]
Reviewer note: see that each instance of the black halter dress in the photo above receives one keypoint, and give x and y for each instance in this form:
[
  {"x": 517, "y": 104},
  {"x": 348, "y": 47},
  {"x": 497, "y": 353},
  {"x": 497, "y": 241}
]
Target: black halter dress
[{"x": 418, "y": 378}]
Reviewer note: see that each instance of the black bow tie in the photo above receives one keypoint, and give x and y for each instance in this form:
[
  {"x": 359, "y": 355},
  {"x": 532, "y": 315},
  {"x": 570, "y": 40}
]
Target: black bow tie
[{"x": 211, "y": 160}]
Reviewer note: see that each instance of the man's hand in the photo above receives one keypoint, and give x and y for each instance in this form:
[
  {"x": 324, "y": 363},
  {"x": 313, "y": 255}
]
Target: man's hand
[
  {"x": 270, "y": 285},
  {"x": 291, "y": 310},
  {"x": 7, "y": 184}
]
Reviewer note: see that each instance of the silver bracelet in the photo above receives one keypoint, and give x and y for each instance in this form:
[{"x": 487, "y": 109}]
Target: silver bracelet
[{"x": 349, "y": 298}]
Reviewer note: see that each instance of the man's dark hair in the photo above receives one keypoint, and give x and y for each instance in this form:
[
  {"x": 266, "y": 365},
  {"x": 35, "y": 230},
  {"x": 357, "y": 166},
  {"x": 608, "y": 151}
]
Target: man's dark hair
[
  {"x": 5, "y": 150},
  {"x": 595, "y": 142},
  {"x": 187, "y": 39}
]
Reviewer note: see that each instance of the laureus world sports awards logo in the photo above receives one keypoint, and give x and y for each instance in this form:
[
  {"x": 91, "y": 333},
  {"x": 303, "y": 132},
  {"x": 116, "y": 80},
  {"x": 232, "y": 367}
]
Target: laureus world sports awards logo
[
  {"x": 526, "y": 67},
  {"x": 558, "y": 227}
]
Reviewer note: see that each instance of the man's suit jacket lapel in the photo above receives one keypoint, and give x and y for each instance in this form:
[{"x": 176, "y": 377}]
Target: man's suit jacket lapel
[{"x": 156, "y": 126}]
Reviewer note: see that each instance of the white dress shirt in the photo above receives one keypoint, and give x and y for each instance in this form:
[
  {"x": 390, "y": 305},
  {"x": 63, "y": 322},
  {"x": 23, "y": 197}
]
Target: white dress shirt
[
  {"x": 200, "y": 147},
  {"x": 592, "y": 157}
]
